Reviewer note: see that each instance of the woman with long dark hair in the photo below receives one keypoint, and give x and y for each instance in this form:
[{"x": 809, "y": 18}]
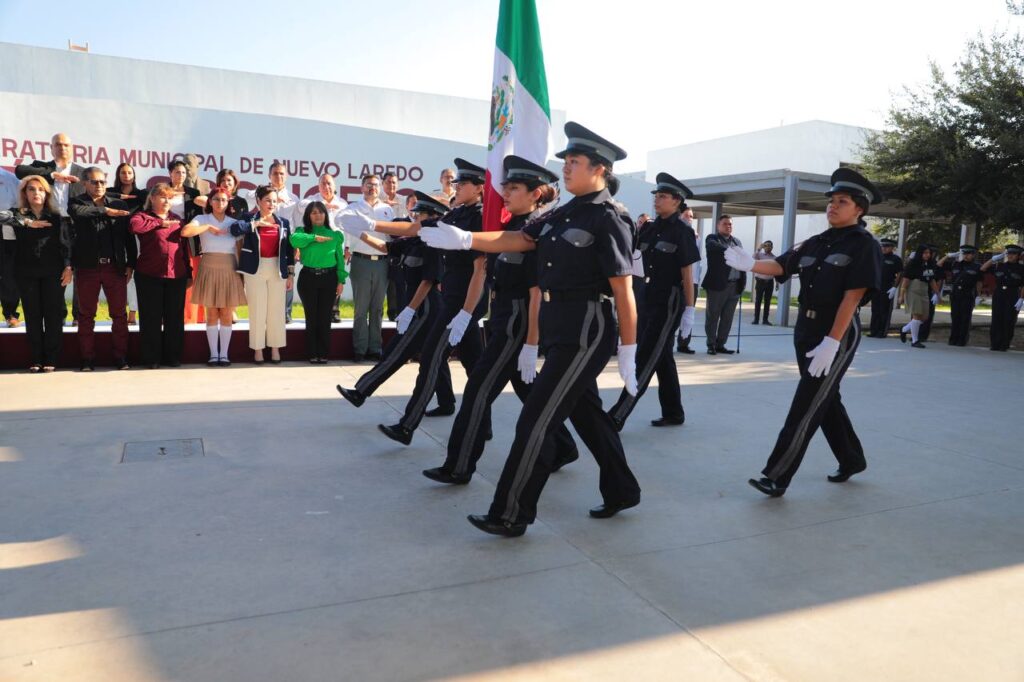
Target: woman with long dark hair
[
  {"x": 227, "y": 179},
  {"x": 920, "y": 287},
  {"x": 322, "y": 277}
]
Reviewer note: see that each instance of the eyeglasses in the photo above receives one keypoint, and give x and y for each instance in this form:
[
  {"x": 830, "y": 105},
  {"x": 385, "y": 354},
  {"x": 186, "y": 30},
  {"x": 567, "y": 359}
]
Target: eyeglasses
[{"x": 97, "y": 182}]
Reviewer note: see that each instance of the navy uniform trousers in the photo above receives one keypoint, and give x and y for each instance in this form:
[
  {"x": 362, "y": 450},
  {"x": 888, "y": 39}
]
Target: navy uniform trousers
[
  {"x": 654, "y": 356},
  {"x": 566, "y": 388},
  {"x": 1004, "y": 318},
  {"x": 435, "y": 353},
  {"x": 497, "y": 366},
  {"x": 404, "y": 346},
  {"x": 817, "y": 403},
  {"x": 961, "y": 307},
  {"x": 881, "y": 312}
]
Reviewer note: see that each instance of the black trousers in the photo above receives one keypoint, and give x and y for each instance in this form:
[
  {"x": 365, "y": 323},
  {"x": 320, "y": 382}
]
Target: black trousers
[
  {"x": 763, "y": 290},
  {"x": 496, "y": 367},
  {"x": 926, "y": 325},
  {"x": 161, "y": 318},
  {"x": 42, "y": 298},
  {"x": 881, "y": 312},
  {"x": 566, "y": 388},
  {"x": 317, "y": 289},
  {"x": 403, "y": 347},
  {"x": 961, "y": 305},
  {"x": 8, "y": 282},
  {"x": 654, "y": 356},
  {"x": 1004, "y": 318},
  {"x": 435, "y": 353},
  {"x": 817, "y": 403},
  {"x": 397, "y": 297}
]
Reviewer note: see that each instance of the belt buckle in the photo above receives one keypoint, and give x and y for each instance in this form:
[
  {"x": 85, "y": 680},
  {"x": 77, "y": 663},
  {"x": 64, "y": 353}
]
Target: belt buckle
[
  {"x": 374, "y": 258},
  {"x": 104, "y": 261},
  {"x": 547, "y": 296}
]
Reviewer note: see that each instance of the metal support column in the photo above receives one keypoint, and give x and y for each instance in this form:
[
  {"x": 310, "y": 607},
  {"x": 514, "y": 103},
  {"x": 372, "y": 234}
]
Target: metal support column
[
  {"x": 901, "y": 238},
  {"x": 792, "y": 189},
  {"x": 968, "y": 234}
]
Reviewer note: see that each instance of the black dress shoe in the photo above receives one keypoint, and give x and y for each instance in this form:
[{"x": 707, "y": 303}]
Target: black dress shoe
[
  {"x": 87, "y": 366},
  {"x": 755, "y": 322},
  {"x": 712, "y": 351},
  {"x": 562, "y": 460},
  {"x": 767, "y": 486},
  {"x": 686, "y": 349},
  {"x": 503, "y": 528},
  {"x": 375, "y": 357},
  {"x": 321, "y": 361},
  {"x": 841, "y": 476},
  {"x": 121, "y": 363},
  {"x": 667, "y": 421},
  {"x": 723, "y": 349},
  {"x": 154, "y": 365},
  {"x": 173, "y": 363},
  {"x": 441, "y": 476},
  {"x": 606, "y": 511},
  {"x": 440, "y": 411},
  {"x": 351, "y": 395},
  {"x": 917, "y": 344},
  {"x": 358, "y": 357},
  {"x": 767, "y": 323},
  {"x": 223, "y": 362},
  {"x": 396, "y": 432},
  {"x": 903, "y": 336}
]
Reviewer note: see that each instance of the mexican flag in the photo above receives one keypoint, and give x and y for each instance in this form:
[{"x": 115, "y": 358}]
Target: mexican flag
[{"x": 520, "y": 120}]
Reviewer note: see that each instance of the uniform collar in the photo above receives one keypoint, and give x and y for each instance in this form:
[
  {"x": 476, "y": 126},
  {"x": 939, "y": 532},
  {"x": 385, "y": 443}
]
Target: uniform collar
[{"x": 600, "y": 197}]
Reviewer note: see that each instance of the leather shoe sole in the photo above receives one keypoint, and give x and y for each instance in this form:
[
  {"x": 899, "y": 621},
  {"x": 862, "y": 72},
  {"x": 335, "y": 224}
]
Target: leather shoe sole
[
  {"x": 767, "y": 486},
  {"x": 396, "y": 432},
  {"x": 440, "y": 411},
  {"x": 351, "y": 395},
  {"x": 606, "y": 511},
  {"x": 724, "y": 350},
  {"x": 665, "y": 421},
  {"x": 441, "y": 476},
  {"x": 841, "y": 476},
  {"x": 503, "y": 528}
]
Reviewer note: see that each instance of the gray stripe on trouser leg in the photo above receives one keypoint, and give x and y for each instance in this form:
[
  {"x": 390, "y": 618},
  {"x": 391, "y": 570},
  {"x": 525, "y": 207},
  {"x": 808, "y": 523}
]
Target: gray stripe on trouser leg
[
  {"x": 533, "y": 444},
  {"x": 851, "y": 340},
  {"x": 427, "y": 393},
  {"x": 387, "y": 363},
  {"x": 476, "y": 415},
  {"x": 647, "y": 371}
]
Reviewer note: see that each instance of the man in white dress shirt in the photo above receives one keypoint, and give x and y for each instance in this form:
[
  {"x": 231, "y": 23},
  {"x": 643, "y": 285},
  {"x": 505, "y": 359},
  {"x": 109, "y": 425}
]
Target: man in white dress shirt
[{"x": 368, "y": 271}]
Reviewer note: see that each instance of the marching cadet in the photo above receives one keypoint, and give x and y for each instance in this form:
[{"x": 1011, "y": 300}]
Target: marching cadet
[
  {"x": 883, "y": 299},
  {"x": 510, "y": 353},
  {"x": 838, "y": 269},
  {"x": 1007, "y": 297},
  {"x": 965, "y": 292},
  {"x": 668, "y": 247},
  {"x": 920, "y": 288},
  {"x": 584, "y": 254},
  {"x": 420, "y": 266}
]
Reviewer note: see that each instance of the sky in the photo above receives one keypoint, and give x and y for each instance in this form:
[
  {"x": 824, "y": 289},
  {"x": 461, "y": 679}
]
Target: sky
[{"x": 646, "y": 74}]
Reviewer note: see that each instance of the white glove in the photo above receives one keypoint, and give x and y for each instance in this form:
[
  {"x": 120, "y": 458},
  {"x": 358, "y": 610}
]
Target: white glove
[
  {"x": 686, "y": 324},
  {"x": 737, "y": 258},
  {"x": 355, "y": 223},
  {"x": 935, "y": 299},
  {"x": 952, "y": 254},
  {"x": 447, "y": 237},
  {"x": 1019, "y": 304},
  {"x": 404, "y": 319},
  {"x": 891, "y": 293},
  {"x": 999, "y": 258},
  {"x": 528, "y": 363},
  {"x": 822, "y": 357},
  {"x": 627, "y": 367},
  {"x": 977, "y": 301},
  {"x": 458, "y": 327}
]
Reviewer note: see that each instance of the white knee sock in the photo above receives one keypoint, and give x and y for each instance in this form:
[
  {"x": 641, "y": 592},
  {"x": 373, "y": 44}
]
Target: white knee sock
[
  {"x": 915, "y": 327},
  {"x": 211, "y": 338},
  {"x": 906, "y": 327},
  {"x": 225, "y": 341}
]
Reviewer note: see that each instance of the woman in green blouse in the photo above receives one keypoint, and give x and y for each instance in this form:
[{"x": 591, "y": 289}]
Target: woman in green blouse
[{"x": 322, "y": 277}]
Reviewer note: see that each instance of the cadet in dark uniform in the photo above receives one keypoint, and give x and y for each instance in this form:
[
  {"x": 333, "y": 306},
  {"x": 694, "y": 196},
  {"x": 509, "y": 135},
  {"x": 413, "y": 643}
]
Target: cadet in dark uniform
[
  {"x": 510, "y": 353},
  {"x": 838, "y": 269},
  {"x": 883, "y": 299},
  {"x": 420, "y": 266},
  {"x": 584, "y": 255},
  {"x": 1007, "y": 297},
  {"x": 919, "y": 288},
  {"x": 463, "y": 301},
  {"x": 668, "y": 247},
  {"x": 965, "y": 290}
]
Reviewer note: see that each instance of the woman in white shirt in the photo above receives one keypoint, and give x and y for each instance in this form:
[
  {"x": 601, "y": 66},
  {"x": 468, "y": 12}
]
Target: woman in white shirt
[{"x": 218, "y": 287}]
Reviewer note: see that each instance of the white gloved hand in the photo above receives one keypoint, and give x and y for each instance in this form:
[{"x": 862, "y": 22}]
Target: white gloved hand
[
  {"x": 952, "y": 254},
  {"x": 627, "y": 367},
  {"x": 355, "y": 223},
  {"x": 822, "y": 356},
  {"x": 447, "y": 237},
  {"x": 737, "y": 258},
  {"x": 404, "y": 319},
  {"x": 977, "y": 301},
  {"x": 686, "y": 324},
  {"x": 458, "y": 327},
  {"x": 999, "y": 258},
  {"x": 528, "y": 363},
  {"x": 891, "y": 293},
  {"x": 935, "y": 299},
  {"x": 1019, "y": 304}
]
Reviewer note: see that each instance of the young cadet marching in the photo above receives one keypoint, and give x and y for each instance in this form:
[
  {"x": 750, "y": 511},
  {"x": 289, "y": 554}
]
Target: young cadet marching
[
  {"x": 883, "y": 299},
  {"x": 1007, "y": 297},
  {"x": 510, "y": 353},
  {"x": 584, "y": 254},
  {"x": 420, "y": 266},
  {"x": 964, "y": 293},
  {"x": 668, "y": 247},
  {"x": 838, "y": 269}
]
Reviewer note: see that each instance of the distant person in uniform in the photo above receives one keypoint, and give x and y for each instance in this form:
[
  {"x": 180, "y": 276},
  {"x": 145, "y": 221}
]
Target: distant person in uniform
[
  {"x": 883, "y": 299},
  {"x": 683, "y": 339},
  {"x": 1007, "y": 297},
  {"x": 764, "y": 285},
  {"x": 965, "y": 291},
  {"x": 838, "y": 269}
]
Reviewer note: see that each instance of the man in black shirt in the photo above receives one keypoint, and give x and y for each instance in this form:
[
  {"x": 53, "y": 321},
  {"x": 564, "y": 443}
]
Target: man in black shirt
[
  {"x": 724, "y": 286},
  {"x": 103, "y": 253}
]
